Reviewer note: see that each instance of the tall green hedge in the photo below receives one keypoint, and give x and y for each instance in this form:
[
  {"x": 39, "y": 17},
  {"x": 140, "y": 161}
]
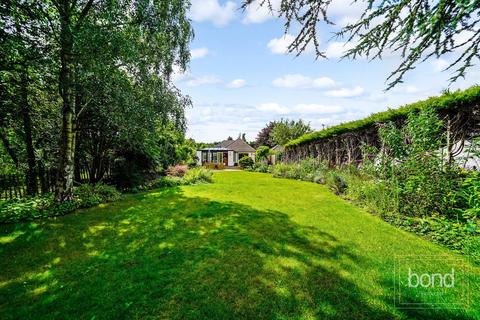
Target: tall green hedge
[{"x": 449, "y": 100}]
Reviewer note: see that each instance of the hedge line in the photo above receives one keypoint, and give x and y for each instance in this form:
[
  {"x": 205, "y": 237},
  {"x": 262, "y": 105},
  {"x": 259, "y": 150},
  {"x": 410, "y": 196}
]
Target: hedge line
[{"x": 449, "y": 100}]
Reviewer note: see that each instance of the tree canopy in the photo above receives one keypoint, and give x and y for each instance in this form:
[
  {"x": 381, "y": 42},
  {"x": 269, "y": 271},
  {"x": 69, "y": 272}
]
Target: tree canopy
[
  {"x": 286, "y": 130},
  {"x": 85, "y": 84},
  {"x": 264, "y": 137}
]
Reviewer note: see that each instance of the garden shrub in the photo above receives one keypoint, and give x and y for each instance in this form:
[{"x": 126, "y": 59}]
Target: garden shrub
[
  {"x": 192, "y": 176},
  {"x": 198, "y": 175},
  {"x": 335, "y": 182},
  {"x": 472, "y": 248},
  {"x": 91, "y": 195},
  {"x": 246, "y": 162},
  {"x": 131, "y": 169},
  {"x": 177, "y": 170},
  {"x": 262, "y": 153},
  {"x": 24, "y": 208},
  {"x": 85, "y": 196},
  {"x": 467, "y": 197},
  {"x": 456, "y": 235},
  {"x": 261, "y": 167},
  {"x": 163, "y": 182},
  {"x": 308, "y": 170},
  {"x": 375, "y": 195}
]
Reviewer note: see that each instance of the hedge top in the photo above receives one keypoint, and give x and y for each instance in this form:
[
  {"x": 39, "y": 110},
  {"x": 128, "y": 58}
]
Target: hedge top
[{"x": 448, "y": 100}]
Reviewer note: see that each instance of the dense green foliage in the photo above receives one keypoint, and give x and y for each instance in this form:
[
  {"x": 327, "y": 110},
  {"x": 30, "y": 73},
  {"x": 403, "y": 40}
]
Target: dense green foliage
[
  {"x": 260, "y": 167},
  {"x": 262, "y": 153},
  {"x": 449, "y": 100},
  {"x": 264, "y": 136},
  {"x": 286, "y": 130},
  {"x": 94, "y": 75},
  {"x": 409, "y": 183},
  {"x": 246, "y": 162},
  {"x": 245, "y": 247},
  {"x": 191, "y": 176},
  {"x": 43, "y": 206},
  {"x": 86, "y": 196}
]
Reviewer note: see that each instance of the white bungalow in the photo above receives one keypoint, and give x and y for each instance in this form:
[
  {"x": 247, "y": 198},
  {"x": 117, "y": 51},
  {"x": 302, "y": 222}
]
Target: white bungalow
[{"x": 227, "y": 152}]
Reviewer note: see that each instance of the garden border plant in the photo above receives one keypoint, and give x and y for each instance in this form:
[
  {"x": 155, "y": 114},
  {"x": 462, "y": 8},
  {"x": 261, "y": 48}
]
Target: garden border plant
[
  {"x": 86, "y": 196},
  {"x": 409, "y": 182}
]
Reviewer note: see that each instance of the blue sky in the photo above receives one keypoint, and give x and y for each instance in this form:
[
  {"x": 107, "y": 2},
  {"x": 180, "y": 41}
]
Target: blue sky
[{"x": 240, "y": 76}]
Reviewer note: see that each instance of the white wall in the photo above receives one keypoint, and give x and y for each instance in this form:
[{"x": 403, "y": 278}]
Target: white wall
[
  {"x": 231, "y": 161},
  {"x": 199, "y": 156}
]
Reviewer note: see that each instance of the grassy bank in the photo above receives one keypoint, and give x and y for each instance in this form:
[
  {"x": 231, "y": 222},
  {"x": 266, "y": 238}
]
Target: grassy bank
[{"x": 246, "y": 246}]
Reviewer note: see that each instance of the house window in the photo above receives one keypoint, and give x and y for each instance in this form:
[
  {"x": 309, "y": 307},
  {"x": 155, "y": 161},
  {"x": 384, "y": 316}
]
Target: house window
[
  {"x": 214, "y": 157},
  {"x": 204, "y": 156}
]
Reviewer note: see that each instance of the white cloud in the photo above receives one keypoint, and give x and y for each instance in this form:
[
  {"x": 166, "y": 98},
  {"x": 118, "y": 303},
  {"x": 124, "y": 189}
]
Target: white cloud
[
  {"x": 213, "y": 11},
  {"x": 440, "y": 64},
  {"x": 377, "y": 97},
  {"x": 255, "y": 13},
  {"x": 318, "y": 108},
  {"x": 336, "y": 49},
  {"x": 199, "y": 53},
  {"x": 409, "y": 89},
  {"x": 237, "y": 83},
  {"x": 293, "y": 81},
  {"x": 341, "y": 8},
  {"x": 203, "y": 80},
  {"x": 301, "y": 81},
  {"x": 346, "y": 20},
  {"x": 280, "y": 45},
  {"x": 302, "y": 108},
  {"x": 345, "y": 92},
  {"x": 273, "y": 107},
  {"x": 346, "y": 11}
]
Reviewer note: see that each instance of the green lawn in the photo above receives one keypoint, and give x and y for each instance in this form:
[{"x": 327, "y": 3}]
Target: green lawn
[{"x": 247, "y": 246}]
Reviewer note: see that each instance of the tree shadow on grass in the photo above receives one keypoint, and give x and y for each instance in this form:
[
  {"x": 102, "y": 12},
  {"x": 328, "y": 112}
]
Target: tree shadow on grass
[{"x": 164, "y": 255}]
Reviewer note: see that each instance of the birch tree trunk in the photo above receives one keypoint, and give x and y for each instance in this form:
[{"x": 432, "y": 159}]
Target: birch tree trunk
[{"x": 65, "y": 173}]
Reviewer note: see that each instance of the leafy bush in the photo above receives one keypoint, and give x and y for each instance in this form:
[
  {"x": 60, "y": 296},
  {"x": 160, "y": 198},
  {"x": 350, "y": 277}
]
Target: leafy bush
[
  {"x": 24, "y": 208},
  {"x": 308, "y": 170},
  {"x": 262, "y": 153},
  {"x": 459, "y": 236},
  {"x": 45, "y": 205},
  {"x": 246, "y": 162},
  {"x": 335, "y": 182},
  {"x": 373, "y": 194},
  {"x": 192, "y": 176},
  {"x": 88, "y": 196},
  {"x": 177, "y": 170},
  {"x": 261, "y": 167},
  {"x": 198, "y": 175},
  {"x": 467, "y": 197},
  {"x": 163, "y": 182}
]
